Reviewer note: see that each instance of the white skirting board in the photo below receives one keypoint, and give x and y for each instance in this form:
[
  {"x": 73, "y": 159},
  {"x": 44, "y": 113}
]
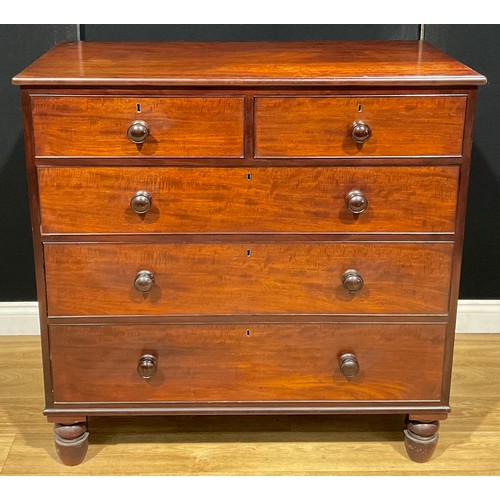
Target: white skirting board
[
  {"x": 478, "y": 316},
  {"x": 19, "y": 318},
  {"x": 474, "y": 316}
]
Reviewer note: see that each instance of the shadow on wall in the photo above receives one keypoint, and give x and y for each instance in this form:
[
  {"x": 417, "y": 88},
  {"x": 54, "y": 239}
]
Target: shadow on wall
[
  {"x": 249, "y": 32},
  {"x": 21, "y": 45},
  {"x": 477, "y": 46},
  {"x": 16, "y": 262},
  {"x": 480, "y": 276}
]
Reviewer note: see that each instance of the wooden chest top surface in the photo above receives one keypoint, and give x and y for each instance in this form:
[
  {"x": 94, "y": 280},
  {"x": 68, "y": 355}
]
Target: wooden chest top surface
[{"x": 318, "y": 63}]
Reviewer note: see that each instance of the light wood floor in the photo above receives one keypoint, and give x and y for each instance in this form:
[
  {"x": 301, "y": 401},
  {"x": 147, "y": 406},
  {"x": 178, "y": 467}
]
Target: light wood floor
[{"x": 260, "y": 445}]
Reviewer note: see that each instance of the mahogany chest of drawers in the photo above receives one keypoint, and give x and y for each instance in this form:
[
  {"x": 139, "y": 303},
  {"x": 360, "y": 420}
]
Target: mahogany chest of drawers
[{"x": 247, "y": 228}]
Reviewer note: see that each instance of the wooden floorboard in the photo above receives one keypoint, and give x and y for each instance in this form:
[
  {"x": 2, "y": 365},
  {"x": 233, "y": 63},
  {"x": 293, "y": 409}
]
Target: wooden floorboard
[{"x": 254, "y": 445}]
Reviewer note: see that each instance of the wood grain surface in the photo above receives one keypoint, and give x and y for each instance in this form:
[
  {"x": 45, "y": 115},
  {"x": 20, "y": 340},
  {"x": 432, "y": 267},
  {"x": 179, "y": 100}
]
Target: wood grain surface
[
  {"x": 320, "y": 126},
  {"x": 246, "y": 362},
  {"x": 367, "y": 63},
  {"x": 97, "y": 126},
  {"x": 221, "y": 109},
  {"x": 301, "y": 278},
  {"x": 281, "y": 199},
  {"x": 254, "y": 445}
]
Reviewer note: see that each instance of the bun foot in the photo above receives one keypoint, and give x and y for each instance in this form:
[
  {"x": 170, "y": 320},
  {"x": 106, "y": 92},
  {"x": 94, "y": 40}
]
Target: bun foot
[
  {"x": 421, "y": 439},
  {"x": 71, "y": 442}
]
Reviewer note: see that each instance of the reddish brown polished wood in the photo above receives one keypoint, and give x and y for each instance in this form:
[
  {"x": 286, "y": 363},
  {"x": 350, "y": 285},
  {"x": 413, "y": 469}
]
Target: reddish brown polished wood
[
  {"x": 421, "y": 437},
  {"x": 302, "y": 200},
  {"x": 178, "y": 126},
  {"x": 225, "y": 179},
  {"x": 321, "y": 126},
  {"x": 318, "y": 63},
  {"x": 71, "y": 442},
  {"x": 287, "y": 278},
  {"x": 246, "y": 362}
]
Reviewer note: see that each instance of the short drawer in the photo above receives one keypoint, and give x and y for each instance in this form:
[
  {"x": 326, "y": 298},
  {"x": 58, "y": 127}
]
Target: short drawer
[
  {"x": 249, "y": 362},
  {"x": 283, "y": 199},
  {"x": 97, "y": 126},
  {"x": 321, "y": 126},
  {"x": 253, "y": 278}
]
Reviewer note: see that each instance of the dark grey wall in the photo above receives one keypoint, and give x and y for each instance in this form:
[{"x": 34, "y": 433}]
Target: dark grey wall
[
  {"x": 21, "y": 45},
  {"x": 477, "y": 46},
  {"x": 247, "y": 32},
  {"x": 473, "y": 44}
]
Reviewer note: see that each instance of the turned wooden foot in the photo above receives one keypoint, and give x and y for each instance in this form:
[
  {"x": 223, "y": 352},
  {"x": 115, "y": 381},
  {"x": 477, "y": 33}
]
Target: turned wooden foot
[
  {"x": 72, "y": 442},
  {"x": 421, "y": 438}
]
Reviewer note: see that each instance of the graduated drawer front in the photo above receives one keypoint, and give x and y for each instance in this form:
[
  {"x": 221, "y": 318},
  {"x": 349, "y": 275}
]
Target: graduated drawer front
[
  {"x": 320, "y": 126},
  {"x": 287, "y": 199},
  {"x": 260, "y": 278},
  {"x": 97, "y": 126},
  {"x": 246, "y": 362}
]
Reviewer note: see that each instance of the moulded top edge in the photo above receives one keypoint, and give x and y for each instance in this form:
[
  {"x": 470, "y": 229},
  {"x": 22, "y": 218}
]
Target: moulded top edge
[
  {"x": 335, "y": 63},
  {"x": 444, "y": 81}
]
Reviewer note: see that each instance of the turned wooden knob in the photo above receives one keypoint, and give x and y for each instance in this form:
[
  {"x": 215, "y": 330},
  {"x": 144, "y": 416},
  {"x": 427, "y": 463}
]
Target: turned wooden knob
[
  {"x": 144, "y": 281},
  {"x": 356, "y": 202},
  {"x": 348, "y": 364},
  {"x": 360, "y": 132},
  {"x": 138, "y": 131},
  {"x": 141, "y": 202},
  {"x": 147, "y": 366},
  {"x": 352, "y": 281}
]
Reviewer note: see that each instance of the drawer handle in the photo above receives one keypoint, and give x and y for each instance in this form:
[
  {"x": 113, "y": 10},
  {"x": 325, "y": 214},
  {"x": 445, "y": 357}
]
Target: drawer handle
[
  {"x": 141, "y": 202},
  {"x": 147, "y": 366},
  {"x": 138, "y": 131},
  {"x": 349, "y": 365},
  {"x": 144, "y": 281},
  {"x": 356, "y": 202},
  {"x": 360, "y": 132},
  {"x": 352, "y": 281}
]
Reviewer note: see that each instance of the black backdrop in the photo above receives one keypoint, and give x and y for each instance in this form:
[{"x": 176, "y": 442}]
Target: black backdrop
[{"x": 475, "y": 45}]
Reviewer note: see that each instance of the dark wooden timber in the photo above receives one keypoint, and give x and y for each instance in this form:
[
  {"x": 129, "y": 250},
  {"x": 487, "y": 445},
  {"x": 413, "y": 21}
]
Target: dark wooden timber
[
  {"x": 37, "y": 240},
  {"x": 248, "y": 159},
  {"x": 68, "y": 412},
  {"x": 71, "y": 442},
  {"x": 459, "y": 230},
  {"x": 421, "y": 437},
  {"x": 228, "y": 319}
]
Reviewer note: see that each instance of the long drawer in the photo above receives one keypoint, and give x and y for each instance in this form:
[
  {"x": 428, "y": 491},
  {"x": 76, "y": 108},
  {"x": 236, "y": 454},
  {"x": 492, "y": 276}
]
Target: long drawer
[
  {"x": 246, "y": 362},
  {"x": 425, "y": 125},
  {"x": 260, "y": 278},
  {"x": 97, "y": 126},
  {"x": 272, "y": 199}
]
